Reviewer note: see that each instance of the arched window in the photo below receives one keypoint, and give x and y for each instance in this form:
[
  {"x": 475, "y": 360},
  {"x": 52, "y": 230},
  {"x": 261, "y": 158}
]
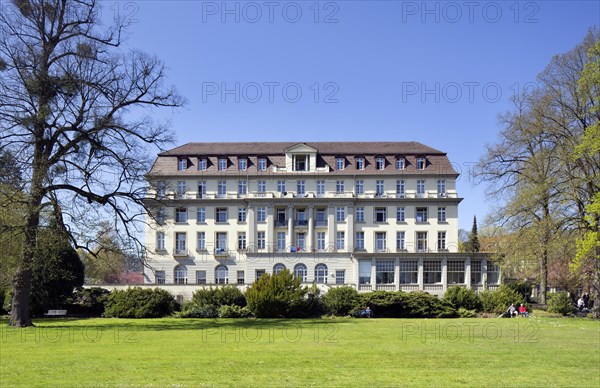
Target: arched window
[
  {"x": 321, "y": 273},
  {"x": 301, "y": 272},
  {"x": 180, "y": 274},
  {"x": 221, "y": 274},
  {"x": 278, "y": 268}
]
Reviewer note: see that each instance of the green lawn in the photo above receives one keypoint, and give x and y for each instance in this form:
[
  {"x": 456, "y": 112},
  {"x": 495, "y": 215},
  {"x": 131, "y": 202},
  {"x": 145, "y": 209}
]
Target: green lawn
[{"x": 340, "y": 352}]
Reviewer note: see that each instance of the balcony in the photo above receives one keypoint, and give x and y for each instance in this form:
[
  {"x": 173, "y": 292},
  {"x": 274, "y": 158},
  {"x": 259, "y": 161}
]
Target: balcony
[
  {"x": 221, "y": 253},
  {"x": 280, "y": 223},
  {"x": 180, "y": 253},
  {"x": 321, "y": 223},
  {"x": 301, "y": 223}
]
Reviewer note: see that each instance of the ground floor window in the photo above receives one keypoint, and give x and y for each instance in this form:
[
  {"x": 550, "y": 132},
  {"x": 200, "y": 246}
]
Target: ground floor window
[
  {"x": 364, "y": 272},
  {"x": 160, "y": 277},
  {"x": 476, "y": 272},
  {"x": 221, "y": 274},
  {"x": 493, "y": 273},
  {"x": 241, "y": 277},
  {"x": 340, "y": 276},
  {"x": 277, "y": 268},
  {"x": 301, "y": 272},
  {"x": 259, "y": 273},
  {"x": 409, "y": 272},
  {"x": 384, "y": 271},
  {"x": 321, "y": 273},
  {"x": 432, "y": 271},
  {"x": 456, "y": 271},
  {"x": 180, "y": 275}
]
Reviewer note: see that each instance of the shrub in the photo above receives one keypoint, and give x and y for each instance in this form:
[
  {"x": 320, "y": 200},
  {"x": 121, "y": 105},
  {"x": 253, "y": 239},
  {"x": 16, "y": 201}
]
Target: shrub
[
  {"x": 89, "y": 302},
  {"x": 523, "y": 288},
  {"x": 463, "y": 297},
  {"x": 498, "y": 301},
  {"x": 190, "y": 310},
  {"x": 383, "y": 303},
  {"x": 217, "y": 297},
  {"x": 401, "y": 304},
  {"x": 278, "y": 295},
  {"x": 420, "y": 304},
  {"x": 559, "y": 303},
  {"x": 464, "y": 313},
  {"x": 137, "y": 302},
  {"x": 234, "y": 311},
  {"x": 340, "y": 301}
]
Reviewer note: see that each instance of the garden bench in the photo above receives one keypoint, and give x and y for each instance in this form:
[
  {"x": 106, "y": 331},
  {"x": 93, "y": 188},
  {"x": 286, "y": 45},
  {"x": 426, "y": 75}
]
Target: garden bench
[{"x": 56, "y": 313}]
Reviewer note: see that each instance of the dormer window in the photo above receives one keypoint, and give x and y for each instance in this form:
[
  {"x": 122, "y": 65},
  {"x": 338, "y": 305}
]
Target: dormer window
[
  {"x": 262, "y": 164},
  {"x": 202, "y": 164},
  {"x": 360, "y": 163},
  {"x": 400, "y": 163},
  {"x": 182, "y": 164},
  {"x": 242, "y": 164},
  {"x": 222, "y": 164},
  {"x": 380, "y": 163},
  {"x": 340, "y": 163},
  {"x": 300, "y": 162},
  {"x": 420, "y": 163}
]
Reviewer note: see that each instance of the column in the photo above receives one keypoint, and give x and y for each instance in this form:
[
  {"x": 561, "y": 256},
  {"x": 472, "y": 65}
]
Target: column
[
  {"x": 290, "y": 237},
  {"x": 397, "y": 274},
  {"x": 420, "y": 274},
  {"x": 484, "y": 273},
  {"x": 350, "y": 228},
  {"x": 330, "y": 226},
  {"x": 251, "y": 227},
  {"x": 311, "y": 229},
  {"x": 444, "y": 273},
  {"x": 373, "y": 274},
  {"x": 468, "y": 272},
  {"x": 270, "y": 234}
]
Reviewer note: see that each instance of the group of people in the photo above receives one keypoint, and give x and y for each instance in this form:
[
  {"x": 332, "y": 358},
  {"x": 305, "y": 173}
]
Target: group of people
[
  {"x": 583, "y": 302},
  {"x": 514, "y": 312}
]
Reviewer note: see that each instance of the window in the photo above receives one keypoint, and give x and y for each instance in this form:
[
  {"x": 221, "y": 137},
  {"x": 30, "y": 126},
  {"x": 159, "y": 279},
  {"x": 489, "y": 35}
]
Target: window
[
  {"x": 360, "y": 214},
  {"x": 340, "y": 214},
  {"x": 409, "y": 272},
  {"x": 420, "y": 163},
  {"x": 400, "y": 214},
  {"x": 360, "y": 241},
  {"x": 320, "y": 241},
  {"x": 340, "y": 276},
  {"x": 421, "y": 214},
  {"x": 456, "y": 271},
  {"x": 180, "y": 274},
  {"x": 261, "y": 214},
  {"x": 400, "y": 189},
  {"x": 281, "y": 218},
  {"x": 161, "y": 189},
  {"x": 432, "y": 271},
  {"x": 380, "y": 242},
  {"x": 180, "y": 243},
  {"x": 241, "y": 214},
  {"x": 301, "y": 217},
  {"x": 321, "y": 217},
  {"x": 441, "y": 188},
  {"x": 340, "y": 163},
  {"x": 201, "y": 241},
  {"x": 202, "y": 164},
  {"x": 441, "y": 214},
  {"x": 379, "y": 188},
  {"x": 493, "y": 273},
  {"x": 301, "y": 272},
  {"x": 181, "y": 189},
  {"x": 400, "y": 163},
  {"x": 420, "y": 187},
  {"x": 340, "y": 240},
  {"x": 321, "y": 273},
  {"x": 364, "y": 272},
  {"x": 301, "y": 163},
  {"x": 201, "y": 189},
  {"x": 160, "y": 277},
  {"x": 400, "y": 241},
  {"x": 221, "y": 214},
  {"x": 281, "y": 186},
  {"x": 360, "y": 163},
  {"x": 281, "y": 241},
  {"x": 441, "y": 241},
  {"x": 421, "y": 241},
  {"x": 278, "y": 268},
  {"x": 181, "y": 215},
  {"x": 262, "y": 164},
  {"x": 476, "y": 272},
  {"x": 260, "y": 240},
  {"x": 221, "y": 274},
  {"x": 161, "y": 216},
  {"x": 182, "y": 164},
  {"x": 380, "y": 163},
  {"x": 221, "y": 242},
  {"x": 339, "y": 187},
  {"x": 300, "y": 187},
  {"x": 160, "y": 241},
  {"x": 201, "y": 214},
  {"x": 380, "y": 214},
  {"x": 222, "y": 164},
  {"x": 261, "y": 186},
  {"x": 320, "y": 188},
  {"x": 242, "y": 187},
  {"x": 222, "y": 189},
  {"x": 360, "y": 187},
  {"x": 242, "y": 164},
  {"x": 384, "y": 271},
  {"x": 200, "y": 277},
  {"x": 241, "y": 277},
  {"x": 300, "y": 241},
  {"x": 259, "y": 273},
  {"x": 242, "y": 240}
]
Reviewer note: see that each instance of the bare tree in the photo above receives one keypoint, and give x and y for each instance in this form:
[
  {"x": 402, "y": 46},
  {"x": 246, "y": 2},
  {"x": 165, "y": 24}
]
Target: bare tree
[{"x": 73, "y": 110}]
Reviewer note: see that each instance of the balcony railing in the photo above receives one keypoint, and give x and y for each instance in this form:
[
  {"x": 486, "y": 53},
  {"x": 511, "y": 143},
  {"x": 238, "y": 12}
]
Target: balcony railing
[
  {"x": 180, "y": 252},
  {"x": 320, "y": 222},
  {"x": 301, "y": 223},
  {"x": 221, "y": 252},
  {"x": 280, "y": 223}
]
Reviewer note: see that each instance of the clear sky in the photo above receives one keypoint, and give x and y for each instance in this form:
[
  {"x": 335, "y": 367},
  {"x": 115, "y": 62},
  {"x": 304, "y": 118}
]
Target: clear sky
[{"x": 437, "y": 72}]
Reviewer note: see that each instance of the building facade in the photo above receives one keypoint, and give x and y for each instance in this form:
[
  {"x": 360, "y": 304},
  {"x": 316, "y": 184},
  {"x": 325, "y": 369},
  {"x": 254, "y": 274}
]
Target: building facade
[{"x": 372, "y": 215}]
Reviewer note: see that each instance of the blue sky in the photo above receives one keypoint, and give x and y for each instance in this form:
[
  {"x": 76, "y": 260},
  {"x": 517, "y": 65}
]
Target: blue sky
[{"x": 436, "y": 72}]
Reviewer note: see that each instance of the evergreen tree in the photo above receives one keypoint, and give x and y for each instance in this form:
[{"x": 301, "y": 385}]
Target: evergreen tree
[{"x": 472, "y": 245}]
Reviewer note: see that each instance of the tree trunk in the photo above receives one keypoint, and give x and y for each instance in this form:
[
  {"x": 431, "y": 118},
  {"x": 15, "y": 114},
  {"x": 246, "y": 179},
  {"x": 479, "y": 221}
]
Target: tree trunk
[{"x": 543, "y": 276}]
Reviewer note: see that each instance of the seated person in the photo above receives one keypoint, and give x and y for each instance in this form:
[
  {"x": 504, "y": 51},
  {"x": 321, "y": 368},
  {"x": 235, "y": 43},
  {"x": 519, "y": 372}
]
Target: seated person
[
  {"x": 368, "y": 312},
  {"x": 512, "y": 311},
  {"x": 523, "y": 311}
]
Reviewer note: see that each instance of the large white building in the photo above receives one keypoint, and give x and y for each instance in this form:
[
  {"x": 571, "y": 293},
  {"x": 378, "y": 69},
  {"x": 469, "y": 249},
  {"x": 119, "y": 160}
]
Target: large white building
[{"x": 373, "y": 215}]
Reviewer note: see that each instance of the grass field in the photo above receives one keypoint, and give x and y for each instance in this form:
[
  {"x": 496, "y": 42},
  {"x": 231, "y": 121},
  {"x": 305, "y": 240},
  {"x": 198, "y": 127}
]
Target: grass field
[{"x": 338, "y": 352}]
